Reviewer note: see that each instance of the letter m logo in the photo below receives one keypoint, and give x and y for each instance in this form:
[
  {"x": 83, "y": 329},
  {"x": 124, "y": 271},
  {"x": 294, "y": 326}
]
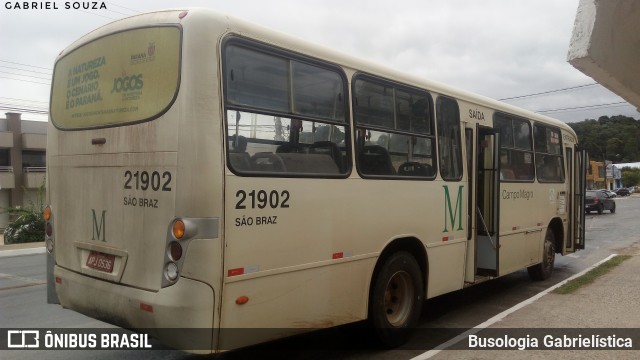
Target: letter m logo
[
  {"x": 99, "y": 229},
  {"x": 452, "y": 215}
]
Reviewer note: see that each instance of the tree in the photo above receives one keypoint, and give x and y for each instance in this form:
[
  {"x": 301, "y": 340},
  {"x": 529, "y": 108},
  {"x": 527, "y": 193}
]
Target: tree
[
  {"x": 630, "y": 176},
  {"x": 615, "y": 138}
]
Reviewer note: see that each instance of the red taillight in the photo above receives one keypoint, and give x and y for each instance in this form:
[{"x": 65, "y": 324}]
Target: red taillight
[
  {"x": 595, "y": 200},
  {"x": 175, "y": 251},
  {"x": 48, "y": 229}
]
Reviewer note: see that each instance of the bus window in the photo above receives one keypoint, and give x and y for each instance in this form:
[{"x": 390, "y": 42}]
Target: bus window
[
  {"x": 449, "y": 142},
  {"x": 549, "y": 165},
  {"x": 291, "y": 114},
  {"x": 394, "y": 125},
  {"x": 97, "y": 85},
  {"x": 516, "y": 153}
]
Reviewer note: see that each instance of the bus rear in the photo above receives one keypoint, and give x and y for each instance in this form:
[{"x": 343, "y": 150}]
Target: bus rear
[{"x": 121, "y": 152}]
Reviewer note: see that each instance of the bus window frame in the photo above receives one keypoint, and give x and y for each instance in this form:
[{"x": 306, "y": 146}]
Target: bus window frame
[
  {"x": 531, "y": 151},
  {"x": 432, "y": 135},
  {"x": 459, "y": 154},
  {"x": 561, "y": 155},
  {"x": 288, "y": 55}
]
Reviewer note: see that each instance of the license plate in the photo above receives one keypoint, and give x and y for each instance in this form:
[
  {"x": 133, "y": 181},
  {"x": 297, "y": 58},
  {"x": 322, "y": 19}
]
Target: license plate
[{"x": 100, "y": 261}]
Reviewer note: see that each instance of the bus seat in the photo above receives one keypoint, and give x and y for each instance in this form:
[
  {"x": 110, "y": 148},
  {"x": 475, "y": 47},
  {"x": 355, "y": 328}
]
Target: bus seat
[
  {"x": 240, "y": 161},
  {"x": 309, "y": 163},
  {"x": 331, "y": 149},
  {"x": 414, "y": 168},
  {"x": 375, "y": 160},
  {"x": 291, "y": 148},
  {"x": 507, "y": 174},
  {"x": 267, "y": 162}
]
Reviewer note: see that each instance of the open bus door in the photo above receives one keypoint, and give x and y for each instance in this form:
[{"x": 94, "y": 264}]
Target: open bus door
[
  {"x": 580, "y": 183},
  {"x": 577, "y": 161},
  {"x": 488, "y": 202}
]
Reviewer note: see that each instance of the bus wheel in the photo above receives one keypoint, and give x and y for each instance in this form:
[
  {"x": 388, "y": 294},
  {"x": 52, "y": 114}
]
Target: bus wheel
[
  {"x": 396, "y": 300},
  {"x": 543, "y": 270}
]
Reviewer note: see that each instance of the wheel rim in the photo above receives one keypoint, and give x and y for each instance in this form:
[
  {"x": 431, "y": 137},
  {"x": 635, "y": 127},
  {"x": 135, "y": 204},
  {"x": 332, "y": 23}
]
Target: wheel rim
[
  {"x": 398, "y": 298},
  {"x": 550, "y": 255}
]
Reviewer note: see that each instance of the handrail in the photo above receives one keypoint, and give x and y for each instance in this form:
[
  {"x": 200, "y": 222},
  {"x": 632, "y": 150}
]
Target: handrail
[
  {"x": 6, "y": 169},
  {"x": 35, "y": 169}
]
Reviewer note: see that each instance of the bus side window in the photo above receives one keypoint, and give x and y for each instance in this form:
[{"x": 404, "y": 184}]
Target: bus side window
[
  {"x": 449, "y": 141},
  {"x": 548, "y": 147}
]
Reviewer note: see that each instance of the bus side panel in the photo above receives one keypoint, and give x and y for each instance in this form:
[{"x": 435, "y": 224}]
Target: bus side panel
[
  {"x": 303, "y": 250},
  {"x": 446, "y": 267},
  {"x": 294, "y": 301},
  {"x": 522, "y": 231}
]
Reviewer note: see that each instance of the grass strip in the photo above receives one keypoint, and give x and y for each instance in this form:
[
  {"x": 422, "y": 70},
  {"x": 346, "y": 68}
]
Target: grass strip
[{"x": 591, "y": 275}]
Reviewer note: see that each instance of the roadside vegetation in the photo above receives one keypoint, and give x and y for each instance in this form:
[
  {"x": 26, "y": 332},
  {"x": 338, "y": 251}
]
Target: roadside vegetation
[
  {"x": 616, "y": 139},
  {"x": 28, "y": 221},
  {"x": 591, "y": 275}
]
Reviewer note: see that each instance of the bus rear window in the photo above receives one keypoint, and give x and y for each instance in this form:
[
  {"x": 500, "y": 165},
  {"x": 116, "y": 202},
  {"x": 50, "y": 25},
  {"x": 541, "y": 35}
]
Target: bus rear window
[{"x": 122, "y": 78}]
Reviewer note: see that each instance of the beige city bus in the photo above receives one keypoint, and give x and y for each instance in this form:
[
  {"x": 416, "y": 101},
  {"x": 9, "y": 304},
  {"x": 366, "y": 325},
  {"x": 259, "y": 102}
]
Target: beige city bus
[{"x": 207, "y": 173}]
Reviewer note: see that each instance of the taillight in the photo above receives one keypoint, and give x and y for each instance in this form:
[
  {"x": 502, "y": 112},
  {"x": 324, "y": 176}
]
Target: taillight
[
  {"x": 48, "y": 229},
  {"x": 178, "y": 229},
  {"x": 595, "y": 200},
  {"x": 175, "y": 251}
]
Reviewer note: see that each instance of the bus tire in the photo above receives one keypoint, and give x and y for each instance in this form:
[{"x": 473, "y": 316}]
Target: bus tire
[
  {"x": 396, "y": 300},
  {"x": 543, "y": 270}
]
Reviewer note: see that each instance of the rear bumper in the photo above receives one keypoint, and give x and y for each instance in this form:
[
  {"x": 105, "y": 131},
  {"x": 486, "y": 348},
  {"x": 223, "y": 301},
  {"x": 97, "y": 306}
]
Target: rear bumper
[
  {"x": 180, "y": 316},
  {"x": 591, "y": 206}
]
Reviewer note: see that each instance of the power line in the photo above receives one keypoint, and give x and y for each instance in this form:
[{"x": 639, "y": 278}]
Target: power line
[
  {"x": 30, "y": 71},
  {"x": 92, "y": 13},
  {"x": 549, "y": 92},
  {"x": 35, "y": 82},
  {"x": 586, "y": 107},
  {"x": 21, "y": 64},
  {"x": 124, "y": 7},
  {"x": 31, "y": 76}
]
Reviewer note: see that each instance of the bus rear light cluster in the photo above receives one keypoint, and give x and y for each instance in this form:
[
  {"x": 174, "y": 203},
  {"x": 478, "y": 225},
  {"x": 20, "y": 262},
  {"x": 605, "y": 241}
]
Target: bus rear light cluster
[
  {"x": 48, "y": 229},
  {"x": 180, "y": 232}
]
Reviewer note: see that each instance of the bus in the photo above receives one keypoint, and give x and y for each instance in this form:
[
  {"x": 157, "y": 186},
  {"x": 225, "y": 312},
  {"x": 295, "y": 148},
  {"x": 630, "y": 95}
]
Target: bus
[{"x": 206, "y": 173}]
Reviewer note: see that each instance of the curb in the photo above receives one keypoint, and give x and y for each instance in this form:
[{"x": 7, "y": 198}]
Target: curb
[
  {"x": 4, "y": 252},
  {"x": 499, "y": 317}
]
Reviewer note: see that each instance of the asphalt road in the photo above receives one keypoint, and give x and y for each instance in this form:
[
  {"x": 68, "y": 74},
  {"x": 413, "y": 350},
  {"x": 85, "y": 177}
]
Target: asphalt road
[{"x": 23, "y": 305}]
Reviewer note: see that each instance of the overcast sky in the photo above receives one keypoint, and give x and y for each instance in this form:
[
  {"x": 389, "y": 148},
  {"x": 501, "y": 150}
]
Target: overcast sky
[{"x": 497, "y": 48}]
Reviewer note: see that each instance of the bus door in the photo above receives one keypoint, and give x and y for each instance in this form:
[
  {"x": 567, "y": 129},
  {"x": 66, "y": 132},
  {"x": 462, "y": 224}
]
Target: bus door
[
  {"x": 487, "y": 202},
  {"x": 471, "y": 264},
  {"x": 576, "y": 175}
]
